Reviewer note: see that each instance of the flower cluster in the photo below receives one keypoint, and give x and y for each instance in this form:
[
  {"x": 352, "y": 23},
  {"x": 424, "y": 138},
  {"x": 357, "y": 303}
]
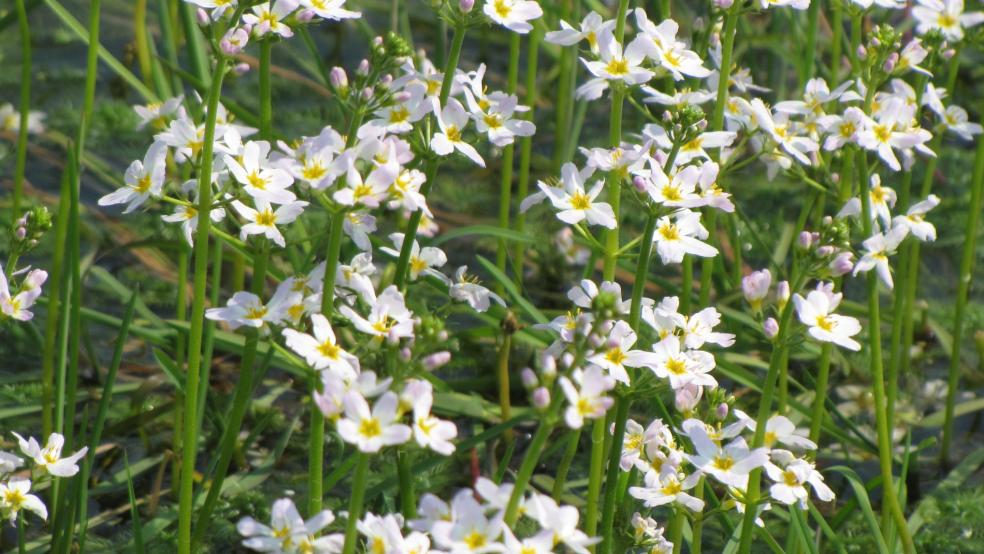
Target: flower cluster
[{"x": 46, "y": 463}]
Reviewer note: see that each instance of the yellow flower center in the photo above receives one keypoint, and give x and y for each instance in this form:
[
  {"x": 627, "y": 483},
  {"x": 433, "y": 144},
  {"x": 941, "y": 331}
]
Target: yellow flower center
[
  {"x": 329, "y": 350},
  {"x": 494, "y": 121},
  {"x": 615, "y": 356},
  {"x": 883, "y": 133},
  {"x": 313, "y": 171},
  {"x": 502, "y": 8},
  {"x": 617, "y": 67},
  {"x": 370, "y": 428},
  {"x": 143, "y": 184},
  {"x": 256, "y": 181},
  {"x": 825, "y": 323},
  {"x": 475, "y": 540},
  {"x": 580, "y": 201},
  {"x": 256, "y": 313},
  {"x": 724, "y": 463},
  {"x": 669, "y": 231},
  {"x": 266, "y": 218},
  {"x": 790, "y": 478},
  {"x": 676, "y": 366},
  {"x": 453, "y": 133}
]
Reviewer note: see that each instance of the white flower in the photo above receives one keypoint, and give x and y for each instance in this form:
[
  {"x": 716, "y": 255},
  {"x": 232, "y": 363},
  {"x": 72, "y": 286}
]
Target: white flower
[
  {"x": 464, "y": 288},
  {"x": 19, "y": 305},
  {"x": 400, "y": 117},
  {"x": 590, "y": 401},
  {"x": 615, "y": 65},
  {"x": 187, "y": 214},
  {"x": 699, "y": 329},
  {"x": 729, "y": 464},
  {"x": 331, "y": 10},
  {"x": 682, "y": 368},
  {"x": 780, "y": 430},
  {"x": 889, "y": 130},
  {"x": 429, "y": 431},
  {"x": 779, "y": 128},
  {"x": 14, "y": 496},
  {"x": 791, "y": 480},
  {"x": 382, "y": 533},
  {"x": 913, "y": 221},
  {"x": 370, "y": 431},
  {"x": 259, "y": 180},
  {"x": 617, "y": 354},
  {"x": 246, "y": 309},
  {"x": 842, "y": 129},
  {"x": 496, "y": 119},
  {"x": 666, "y": 489},
  {"x": 452, "y": 120},
  {"x": 946, "y": 15},
  {"x": 681, "y": 235},
  {"x": 288, "y": 532},
  {"x": 660, "y": 44},
  {"x": 815, "y": 311},
  {"x": 10, "y": 120},
  {"x": 592, "y": 26},
  {"x": 322, "y": 351},
  {"x": 559, "y": 523},
  {"x": 369, "y": 192},
  {"x": 267, "y": 17},
  {"x": 795, "y": 4},
  {"x": 49, "y": 458},
  {"x": 468, "y": 530},
  {"x": 388, "y": 319},
  {"x": 514, "y": 15},
  {"x": 877, "y": 249},
  {"x": 574, "y": 203},
  {"x": 422, "y": 260},
  {"x": 263, "y": 219},
  {"x": 156, "y": 114},
  {"x": 185, "y": 137},
  {"x": 143, "y": 180},
  {"x": 584, "y": 293}
]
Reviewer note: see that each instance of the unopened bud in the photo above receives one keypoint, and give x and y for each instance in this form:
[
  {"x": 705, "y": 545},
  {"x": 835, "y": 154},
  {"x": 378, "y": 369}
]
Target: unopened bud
[
  {"x": 782, "y": 293},
  {"x": 528, "y": 376},
  {"x": 466, "y": 5},
  {"x": 541, "y": 398},
  {"x": 240, "y": 68},
  {"x": 548, "y": 367},
  {"x": 305, "y": 16},
  {"x": 687, "y": 397},
  {"x": 21, "y": 233},
  {"x": 889, "y": 65},
  {"x": 378, "y": 41},
  {"x": 367, "y": 93},
  {"x": 639, "y": 183},
  {"x": 805, "y": 240},
  {"x": 724, "y": 4},
  {"x": 755, "y": 287},
  {"x": 363, "y": 68},
  {"x": 721, "y": 411},
  {"x": 862, "y": 52},
  {"x": 949, "y": 53},
  {"x": 386, "y": 80},
  {"x": 842, "y": 264},
  {"x": 338, "y": 78},
  {"x": 825, "y": 250},
  {"x": 437, "y": 360},
  {"x": 770, "y": 327},
  {"x": 405, "y": 354},
  {"x": 202, "y": 17}
]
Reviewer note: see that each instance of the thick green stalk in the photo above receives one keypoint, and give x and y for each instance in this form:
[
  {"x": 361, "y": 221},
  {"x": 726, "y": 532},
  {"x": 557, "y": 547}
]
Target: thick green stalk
[
  {"x": 526, "y": 148},
  {"x": 508, "y": 153},
  {"x": 611, "y": 489},
  {"x": 25, "y": 106},
  {"x": 966, "y": 273},
  {"x": 676, "y": 529},
  {"x": 50, "y": 407},
  {"x": 195, "y": 335},
  {"x": 355, "y": 503},
  {"x": 820, "y": 395},
  {"x": 244, "y": 385},
  {"x": 837, "y": 25},
  {"x": 889, "y": 495},
  {"x": 403, "y": 263},
  {"x": 596, "y": 476}
]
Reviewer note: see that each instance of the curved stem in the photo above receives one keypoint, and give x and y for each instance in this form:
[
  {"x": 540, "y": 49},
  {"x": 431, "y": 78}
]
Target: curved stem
[{"x": 195, "y": 335}]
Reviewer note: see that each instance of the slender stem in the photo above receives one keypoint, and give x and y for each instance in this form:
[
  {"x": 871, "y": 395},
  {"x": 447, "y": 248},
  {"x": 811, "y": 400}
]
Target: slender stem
[
  {"x": 529, "y": 464},
  {"x": 25, "y": 106},
  {"x": 698, "y": 524},
  {"x": 889, "y": 493},
  {"x": 355, "y": 503},
  {"x": 195, "y": 335},
  {"x": 966, "y": 271},
  {"x": 783, "y": 384},
  {"x": 687, "y": 283},
  {"x": 676, "y": 529},
  {"x": 403, "y": 263},
  {"x": 50, "y": 421},
  {"x": 196, "y": 54},
  {"x": 837, "y": 24},
  {"x": 526, "y": 148},
  {"x": 820, "y": 395},
  {"x": 765, "y": 410},
  {"x": 614, "y": 456},
  {"x": 502, "y": 373},
  {"x": 596, "y": 476},
  {"x": 508, "y": 153},
  {"x": 809, "y": 50},
  {"x": 560, "y": 481},
  {"x": 642, "y": 272},
  {"x": 566, "y": 83}
]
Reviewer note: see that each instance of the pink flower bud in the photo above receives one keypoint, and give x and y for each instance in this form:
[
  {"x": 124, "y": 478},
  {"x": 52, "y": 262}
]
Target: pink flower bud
[
  {"x": 687, "y": 397},
  {"x": 305, "y": 16},
  {"x": 202, "y": 17},
  {"x": 466, "y": 5},
  {"x": 363, "y": 68},
  {"x": 862, "y": 52},
  {"x": 367, "y": 93},
  {"x": 890, "y": 63},
  {"x": 805, "y": 240},
  {"x": 548, "y": 366},
  {"x": 541, "y": 398},
  {"x": 842, "y": 264},
  {"x": 386, "y": 80},
  {"x": 401, "y": 97},
  {"x": 436, "y": 360},
  {"x": 949, "y": 53},
  {"x": 240, "y": 68},
  {"x": 234, "y": 41},
  {"x": 338, "y": 78},
  {"x": 721, "y": 411},
  {"x": 825, "y": 251},
  {"x": 377, "y": 41},
  {"x": 529, "y": 378},
  {"x": 770, "y": 327},
  {"x": 21, "y": 233},
  {"x": 724, "y": 4},
  {"x": 405, "y": 354},
  {"x": 782, "y": 293},
  {"x": 639, "y": 183},
  {"x": 755, "y": 287}
]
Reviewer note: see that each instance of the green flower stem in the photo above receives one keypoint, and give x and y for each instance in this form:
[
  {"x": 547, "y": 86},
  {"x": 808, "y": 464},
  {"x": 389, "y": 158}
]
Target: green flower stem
[
  {"x": 966, "y": 271},
  {"x": 508, "y": 153},
  {"x": 837, "y": 25},
  {"x": 533, "y": 452},
  {"x": 823, "y": 375},
  {"x": 244, "y": 385},
  {"x": 526, "y": 147},
  {"x": 502, "y": 372},
  {"x": 596, "y": 477},
  {"x": 608, "y": 510},
  {"x": 51, "y": 419},
  {"x": 642, "y": 272},
  {"x": 566, "y": 84},
  {"x": 355, "y": 503},
  {"x": 717, "y": 123},
  {"x": 560, "y": 481},
  {"x": 890, "y": 499},
  {"x": 196, "y": 54},
  {"x": 809, "y": 49},
  {"x": 403, "y": 263},
  {"x": 676, "y": 529},
  {"x": 25, "y": 106},
  {"x": 698, "y": 523},
  {"x": 765, "y": 410},
  {"x": 687, "y": 283},
  {"x": 195, "y": 335}
]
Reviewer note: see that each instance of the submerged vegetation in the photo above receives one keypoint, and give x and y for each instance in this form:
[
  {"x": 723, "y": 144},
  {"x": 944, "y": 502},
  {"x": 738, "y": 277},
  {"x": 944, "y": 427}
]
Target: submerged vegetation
[{"x": 456, "y": 276}]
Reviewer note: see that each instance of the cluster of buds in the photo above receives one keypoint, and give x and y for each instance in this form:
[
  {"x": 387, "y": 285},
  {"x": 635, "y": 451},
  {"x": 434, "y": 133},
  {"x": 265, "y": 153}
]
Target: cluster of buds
[{"x": 28, "y": 230}]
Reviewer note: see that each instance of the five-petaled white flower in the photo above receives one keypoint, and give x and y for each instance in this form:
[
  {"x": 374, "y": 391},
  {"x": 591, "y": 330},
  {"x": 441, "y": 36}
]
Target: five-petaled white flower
[
  {"x": 372, "y": 430},
  {"x": 514, "y": 15},
  {"x": 50, "y": 458},
  {"x": 815, "y": 311}
]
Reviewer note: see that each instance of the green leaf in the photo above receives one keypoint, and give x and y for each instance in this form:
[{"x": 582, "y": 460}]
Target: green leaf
[
  {"x": 483, "y": 231},
  {"x": 862, "y": 496},
  {"x": 510, "y": 288}
]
